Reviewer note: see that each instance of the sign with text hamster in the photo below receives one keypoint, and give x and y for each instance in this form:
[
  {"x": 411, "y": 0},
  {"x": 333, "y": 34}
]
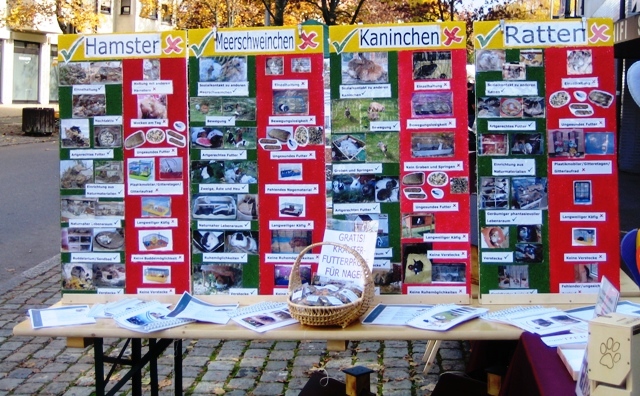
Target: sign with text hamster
[
  {"x": 547, "y": 175},
  {"x": 399, "y": 150}
]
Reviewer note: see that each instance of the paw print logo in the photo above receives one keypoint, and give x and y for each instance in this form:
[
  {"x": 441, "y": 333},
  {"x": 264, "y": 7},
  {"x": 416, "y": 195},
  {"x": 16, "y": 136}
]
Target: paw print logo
[{"x": 609, "y": 351}]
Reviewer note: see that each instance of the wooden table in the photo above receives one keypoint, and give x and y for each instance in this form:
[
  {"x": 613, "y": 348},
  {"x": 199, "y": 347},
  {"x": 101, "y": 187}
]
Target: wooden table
[{"x": 336, "y": 337}]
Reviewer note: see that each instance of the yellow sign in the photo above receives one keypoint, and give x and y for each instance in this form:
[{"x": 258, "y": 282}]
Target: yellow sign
[
  {"x": 300, "y": 39},
  {"x": 169, "y": 44},
  {"x": 394, "y": 37},
  {"x": 592, "y": 32}
]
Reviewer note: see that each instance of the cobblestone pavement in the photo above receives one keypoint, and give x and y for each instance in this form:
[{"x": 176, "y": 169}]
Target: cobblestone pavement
[{"x": 46, "y": 366}]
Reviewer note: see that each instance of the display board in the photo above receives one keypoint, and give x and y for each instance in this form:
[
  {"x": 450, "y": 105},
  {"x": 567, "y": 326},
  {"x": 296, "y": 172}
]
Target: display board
[
  {"x": 123, "y": 139},
  {"x": 257, "y": 155},
  {"x": 399, "y": 150},
  {"x": 547, "y": 173}
]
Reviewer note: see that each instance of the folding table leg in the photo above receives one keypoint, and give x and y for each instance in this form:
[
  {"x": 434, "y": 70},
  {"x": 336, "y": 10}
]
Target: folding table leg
[
  {"x": 177, "y": 366},
  {"x": 136, "y": 357},
  {"x": 430, "y": 354},
  {"x": 98, "y": 355}
]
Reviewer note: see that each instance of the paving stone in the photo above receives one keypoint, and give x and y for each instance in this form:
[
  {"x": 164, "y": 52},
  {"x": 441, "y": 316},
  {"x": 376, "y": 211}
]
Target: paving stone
[
  {"x": 340, "y": 362},
  {"x": 252, "y": 362},
  {"x": 42, "y": 377},
  {"x": 285, "y": 345},
  {"x": 256, "y": 353},
  {"x": 274, "y": 376},
  {"x": 54, "y": 388},
  {"x": 78, "y": 391},
  {"x": 20, "y": 373},
  {"x": 367, "y": 357},
  {"x": 224, "y": 365},
  {"x": 306, "y": 361},
  {"x": 241, "y": 383},
  {"x": 395, "y": 352},
  {"x": 208, "y": 387},
  {"x": 396, "y": 374},
  {"x": 248, "y": 372},
  {"x": 367, "y": 346},
  {"x": 275, "y": 365},
  {"x": 396, "y": 363},
  {"x": 55, "y": 368},
  {"x": 215, "y": 376},
  {"x": 28, "y": 388},
  {"x": 449, "y": 354},
  {"x": 199, "y": 361},
  {"x": 8, "y": 384},
  {"x": 268, "y": 389}
]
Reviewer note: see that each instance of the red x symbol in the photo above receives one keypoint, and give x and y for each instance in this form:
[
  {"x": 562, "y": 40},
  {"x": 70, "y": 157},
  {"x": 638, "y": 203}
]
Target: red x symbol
[
  {"x": 452, "y": 36},
  {"x": 599, "y": 33},
  {"x": 173, "y": 45},
  {"x": 307, "y": 40}
]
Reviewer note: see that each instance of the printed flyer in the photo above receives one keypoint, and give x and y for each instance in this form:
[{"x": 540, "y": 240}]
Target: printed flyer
[
  {"x": 547, "y": 178},
  {"x": 399, "y": 150},
  {"x": 257, "y": 155}
]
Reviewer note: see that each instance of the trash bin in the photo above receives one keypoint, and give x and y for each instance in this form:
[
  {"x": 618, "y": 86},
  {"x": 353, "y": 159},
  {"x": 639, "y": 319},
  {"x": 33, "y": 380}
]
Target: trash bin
[{"x": 38, "y": 120}]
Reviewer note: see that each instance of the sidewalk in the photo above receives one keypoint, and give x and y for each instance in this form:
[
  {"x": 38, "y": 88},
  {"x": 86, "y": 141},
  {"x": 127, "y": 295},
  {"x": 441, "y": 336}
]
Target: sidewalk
[
  {"x": 11, "y": 126},
  {"x": 45, "y": 366}
]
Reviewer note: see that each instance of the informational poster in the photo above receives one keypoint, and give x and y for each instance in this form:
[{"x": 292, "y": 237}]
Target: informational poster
[
  {"x": 547, "y": 175},
  {"x": 257, "y": 159},
  {"x": 399, "y": 150},
  {"x": 122, "y": 163}
]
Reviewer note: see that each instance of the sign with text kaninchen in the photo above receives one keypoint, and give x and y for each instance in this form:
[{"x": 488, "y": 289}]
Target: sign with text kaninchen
[{"x": 349, "y": 38}]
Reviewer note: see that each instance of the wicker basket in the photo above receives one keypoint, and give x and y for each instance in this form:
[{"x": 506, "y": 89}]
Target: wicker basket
[{"x": 342, "y": 315}]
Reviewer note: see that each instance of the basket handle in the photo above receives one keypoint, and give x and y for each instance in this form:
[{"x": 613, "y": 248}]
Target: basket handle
[{"x": 294, "y": 278}]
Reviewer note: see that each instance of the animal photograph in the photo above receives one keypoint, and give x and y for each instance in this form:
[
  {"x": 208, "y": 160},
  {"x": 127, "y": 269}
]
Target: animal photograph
[
  {"x": 75, "y": 133},
  {"x": 432, "y": 65},
  {"x": 417, "y": 267},
  {"x": 365, "y": 67},
  {"x": 202, "y": 106},
  {"x": 222, "y": 69},
  {"x": 152, "y": 107},
  {"x": 216, "y": 278},
  {"x": 382, "y": 147}
]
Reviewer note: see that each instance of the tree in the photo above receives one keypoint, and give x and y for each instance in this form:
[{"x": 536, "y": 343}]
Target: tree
[{"x": 72, "y": 16}]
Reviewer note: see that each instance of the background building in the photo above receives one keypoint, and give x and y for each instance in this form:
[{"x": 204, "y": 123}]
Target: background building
[{"x": 29, "y": 58}]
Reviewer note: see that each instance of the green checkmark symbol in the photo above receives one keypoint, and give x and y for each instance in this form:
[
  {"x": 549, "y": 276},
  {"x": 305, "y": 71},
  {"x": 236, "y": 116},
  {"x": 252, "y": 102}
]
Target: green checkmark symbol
[
  {"x": 339, "y": 46},
  {"x": 67, "y": 55},
  {"x": 484, "y": 40},
  {"x": 198, "y": 49}
]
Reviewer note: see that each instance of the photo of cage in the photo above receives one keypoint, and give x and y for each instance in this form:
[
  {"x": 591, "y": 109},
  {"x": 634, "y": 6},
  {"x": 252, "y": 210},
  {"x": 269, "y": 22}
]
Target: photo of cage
[
  {"x": 156, "y": 274},
  {"x": 415, "y": 225},
  {"x": 214, "y": 207},
  {"x": 432, "y": 104},
  {"x": 513, "y": 276},
  {"x": 493, "y": 144},
  {"x": 426, "y": 145},
  {"x": 155, "y": 240},
  {"x": 289, "y": 241},
  {"x": 76, "y": 239},
  {"x": 448, "y": 273},
  {"x": 494, "y": 193},
  {"x": 77, "y": 207},
  {"x": 108, "y": 172},
  {"x": 291, "y": 206},
  {"x": 156, "y": 207},
  {"x": 583, "y": 237},
  {"x": 529, "y": 193},
  {"x": 141, "y": 169},
  {"x": 432, "y": 65}
]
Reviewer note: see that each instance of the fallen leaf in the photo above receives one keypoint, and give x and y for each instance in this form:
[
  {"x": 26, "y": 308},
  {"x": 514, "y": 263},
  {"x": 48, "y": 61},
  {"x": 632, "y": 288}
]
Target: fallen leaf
[
  {"x": 164, "y": 383},
  {"x": 219, "y": 391}
]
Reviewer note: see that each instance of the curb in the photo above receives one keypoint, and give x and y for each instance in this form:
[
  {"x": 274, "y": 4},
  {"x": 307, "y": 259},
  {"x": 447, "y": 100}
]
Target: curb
[{"x": 31, "y": 273}]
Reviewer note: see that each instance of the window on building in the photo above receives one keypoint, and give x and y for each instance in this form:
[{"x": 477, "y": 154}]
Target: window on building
[
  {"x": 104, "y": 6},
  {"x": 125, "y": 7},
  {"x": 167, "y": 14},
  {"x": 54, "y": 76}
]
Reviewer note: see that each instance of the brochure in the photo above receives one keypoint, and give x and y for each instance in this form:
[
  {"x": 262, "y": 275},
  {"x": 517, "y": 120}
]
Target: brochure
[
  {"x": 445, "y": 316},
  {"x": 263, "y": 316},
  {"x": 535, "y": 319},
  {"x": 394, "y": 314},
  {"x": 190, "y": 307},
  {"x": 61, "y": 316},
  {"x": 148, "y": 317},
  {"x": 587, "y": 313}
]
